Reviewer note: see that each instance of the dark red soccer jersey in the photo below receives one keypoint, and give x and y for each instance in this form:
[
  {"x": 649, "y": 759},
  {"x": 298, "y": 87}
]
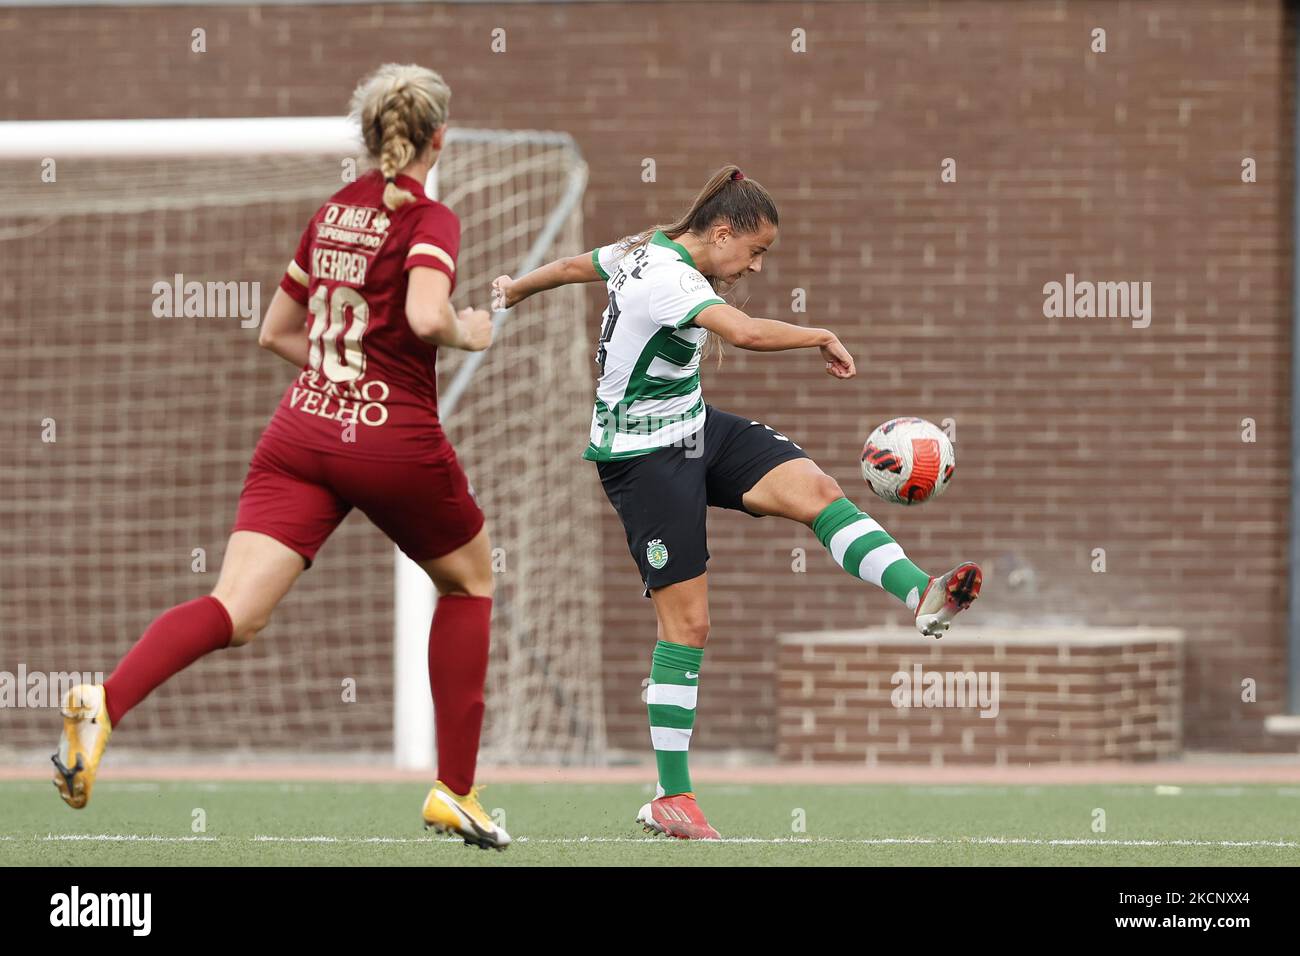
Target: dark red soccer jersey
[{"x": 369, "y": 389}]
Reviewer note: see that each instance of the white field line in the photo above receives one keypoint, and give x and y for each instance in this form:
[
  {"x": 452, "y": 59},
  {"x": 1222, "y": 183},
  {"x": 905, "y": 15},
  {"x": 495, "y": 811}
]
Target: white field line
[
  {"x": 653, "y": 841},
  {"x": 123, "y": 838},
  {"x": 724, "y": 789}
]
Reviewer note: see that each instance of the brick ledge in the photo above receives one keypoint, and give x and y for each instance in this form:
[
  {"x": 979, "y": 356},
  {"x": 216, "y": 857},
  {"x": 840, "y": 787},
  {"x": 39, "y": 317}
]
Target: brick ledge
[{"x": 1081, "y": 635}]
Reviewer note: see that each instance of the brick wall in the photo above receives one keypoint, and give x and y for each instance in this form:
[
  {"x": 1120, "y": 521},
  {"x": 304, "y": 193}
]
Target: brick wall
[
  {"x": 999, "y": 696},
  {"x": 1072, "y": 434}
]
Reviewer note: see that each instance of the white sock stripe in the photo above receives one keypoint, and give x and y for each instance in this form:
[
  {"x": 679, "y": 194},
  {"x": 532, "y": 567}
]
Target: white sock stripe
[
  {"x": 678, "y": 695},
  {"x": 841, "y": 539},
  {"x": 877, "y": 560},
  {"x": 670, "y": 738}
]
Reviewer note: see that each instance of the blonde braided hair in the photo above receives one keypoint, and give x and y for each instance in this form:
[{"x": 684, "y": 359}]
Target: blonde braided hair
[{"x": 399, "y": 108}]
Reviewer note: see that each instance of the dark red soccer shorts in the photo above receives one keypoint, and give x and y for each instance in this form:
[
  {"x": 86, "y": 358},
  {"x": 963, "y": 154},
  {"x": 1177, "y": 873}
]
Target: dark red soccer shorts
[{"x": 299, "y": 496}]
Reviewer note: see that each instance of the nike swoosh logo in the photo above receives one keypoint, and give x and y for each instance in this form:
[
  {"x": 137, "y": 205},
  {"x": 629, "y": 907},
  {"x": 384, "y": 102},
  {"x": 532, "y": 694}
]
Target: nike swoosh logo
[{"x": 689, "y": 676}]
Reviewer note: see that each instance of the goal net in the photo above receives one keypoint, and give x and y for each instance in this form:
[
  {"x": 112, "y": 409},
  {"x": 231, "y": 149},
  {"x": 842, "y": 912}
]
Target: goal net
[{"x": 129, "y": 432}]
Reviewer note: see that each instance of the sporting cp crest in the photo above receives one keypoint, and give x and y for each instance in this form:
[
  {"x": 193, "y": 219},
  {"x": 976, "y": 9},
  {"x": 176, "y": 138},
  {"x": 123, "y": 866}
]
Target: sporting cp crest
[{"x": 656, "y": 553}]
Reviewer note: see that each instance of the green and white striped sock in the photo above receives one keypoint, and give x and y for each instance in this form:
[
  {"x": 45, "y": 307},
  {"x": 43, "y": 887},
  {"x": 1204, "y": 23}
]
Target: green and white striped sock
[
  {"x": 864, "y": 549},
  {"x": 670, "y": 697}
]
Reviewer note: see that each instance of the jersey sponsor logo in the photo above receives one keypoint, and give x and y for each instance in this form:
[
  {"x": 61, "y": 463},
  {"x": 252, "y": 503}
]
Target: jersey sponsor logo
[
  {"x": 361, "y": 226},
  {"x": 656, "y": 552},
  {"x": 348, "y": 237},
  {"x": 345, "y": 402},
  {"x": 692, "y": 281},
  {"x": 365, "y": 218}
]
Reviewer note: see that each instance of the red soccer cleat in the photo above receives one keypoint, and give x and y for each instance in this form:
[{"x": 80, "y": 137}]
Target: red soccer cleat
[
  {"x": 946, "y": 596},
  {"x": 676, "y": 816}
]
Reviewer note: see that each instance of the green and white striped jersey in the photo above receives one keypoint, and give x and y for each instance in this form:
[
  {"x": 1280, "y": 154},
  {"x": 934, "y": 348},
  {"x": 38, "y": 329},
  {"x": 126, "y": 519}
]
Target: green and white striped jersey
[{"x": 648, "y": 395}]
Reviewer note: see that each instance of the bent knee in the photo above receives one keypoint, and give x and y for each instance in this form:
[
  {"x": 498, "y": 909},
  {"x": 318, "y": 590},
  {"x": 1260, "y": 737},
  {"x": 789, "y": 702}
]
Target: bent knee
[
  {"x": 693, "y": 632},
  {"x": 472, "y": 586},
  {"x": 827, "y": 489},
  {"x": 243, "y": 631},
  {"x": 698, "y": 632},
  {"x": 245, "y": 624}
]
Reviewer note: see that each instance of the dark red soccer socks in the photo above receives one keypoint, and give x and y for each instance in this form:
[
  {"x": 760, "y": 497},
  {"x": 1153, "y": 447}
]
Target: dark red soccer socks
[
  {"x": 174, "y": 641},
  {"x": 458, "y": 661}
]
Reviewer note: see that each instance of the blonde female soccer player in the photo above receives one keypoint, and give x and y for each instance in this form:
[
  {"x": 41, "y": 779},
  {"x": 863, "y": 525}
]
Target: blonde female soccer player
[
  {"x": 664, "y": 456},
  {"x": 361, "y": 311}
]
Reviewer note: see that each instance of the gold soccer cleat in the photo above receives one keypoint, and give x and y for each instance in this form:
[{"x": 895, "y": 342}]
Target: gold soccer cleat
[
  {"x": 85, "y": 734},
  {"x": 448, "y": 812}
]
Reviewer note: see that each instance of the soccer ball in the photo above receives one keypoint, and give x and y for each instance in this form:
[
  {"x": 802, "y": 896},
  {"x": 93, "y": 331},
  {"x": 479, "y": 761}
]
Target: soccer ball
[{"x": 908, "y": 461}]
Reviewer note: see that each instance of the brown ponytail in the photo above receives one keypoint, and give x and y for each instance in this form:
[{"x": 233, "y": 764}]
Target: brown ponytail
[{"x": 729, "y": 196}]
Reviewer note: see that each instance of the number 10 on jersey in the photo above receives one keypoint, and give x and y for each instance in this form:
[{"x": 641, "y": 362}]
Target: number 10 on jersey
[{"x": 329, "y": 315}]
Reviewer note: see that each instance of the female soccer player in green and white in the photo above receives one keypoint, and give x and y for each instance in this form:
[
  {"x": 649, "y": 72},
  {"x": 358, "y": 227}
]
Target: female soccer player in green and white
[{"x": 664, "y": 456}]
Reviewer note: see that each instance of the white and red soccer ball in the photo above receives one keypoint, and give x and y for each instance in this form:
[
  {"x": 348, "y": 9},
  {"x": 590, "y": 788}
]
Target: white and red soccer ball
[{"x": 908, "y": 461}]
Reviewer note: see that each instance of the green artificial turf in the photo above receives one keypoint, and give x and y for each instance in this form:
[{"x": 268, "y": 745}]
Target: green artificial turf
[{"x": 331, "y": 824}]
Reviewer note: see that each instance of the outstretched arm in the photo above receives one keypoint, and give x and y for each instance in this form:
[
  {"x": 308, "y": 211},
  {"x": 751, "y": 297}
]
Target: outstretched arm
[
  {"x": 508, "y": 292},
  {"x": 772, "y": 335}
]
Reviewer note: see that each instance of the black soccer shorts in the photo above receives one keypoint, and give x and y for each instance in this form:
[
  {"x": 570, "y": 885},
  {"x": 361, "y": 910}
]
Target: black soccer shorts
[{"x": 662, "y": 497}]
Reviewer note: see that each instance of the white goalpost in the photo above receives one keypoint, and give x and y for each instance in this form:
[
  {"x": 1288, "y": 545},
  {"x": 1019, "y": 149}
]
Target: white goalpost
[{"x": 93, "y": 214}]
